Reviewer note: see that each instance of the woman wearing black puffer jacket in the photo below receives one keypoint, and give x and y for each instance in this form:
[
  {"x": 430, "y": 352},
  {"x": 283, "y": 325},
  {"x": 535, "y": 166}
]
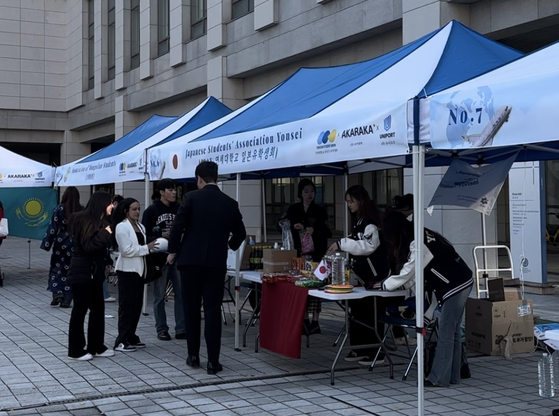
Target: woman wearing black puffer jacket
[
  {"x": 91, "y": 234},
  {"x": 369, "y": 260}
]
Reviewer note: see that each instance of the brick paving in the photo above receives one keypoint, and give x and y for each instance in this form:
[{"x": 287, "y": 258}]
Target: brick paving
[{"x": 36, "y": 378}]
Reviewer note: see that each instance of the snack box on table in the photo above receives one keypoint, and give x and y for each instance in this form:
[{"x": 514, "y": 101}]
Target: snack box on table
[{"x": 275, "y": 260}]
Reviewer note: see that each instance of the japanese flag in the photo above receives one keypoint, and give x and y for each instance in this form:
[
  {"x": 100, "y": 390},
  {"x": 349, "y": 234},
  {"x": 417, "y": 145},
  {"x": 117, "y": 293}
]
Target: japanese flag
[{"x": 321, "y": 271}]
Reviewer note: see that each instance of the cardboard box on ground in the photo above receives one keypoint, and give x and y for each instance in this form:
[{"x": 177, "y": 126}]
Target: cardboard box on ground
[{"x": 500, "y": 325}]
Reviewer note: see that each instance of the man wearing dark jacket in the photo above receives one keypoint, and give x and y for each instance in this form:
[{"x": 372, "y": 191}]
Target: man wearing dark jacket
[
  {"x": 209, "y": 222},
  {"x": 158, "y": 219}
]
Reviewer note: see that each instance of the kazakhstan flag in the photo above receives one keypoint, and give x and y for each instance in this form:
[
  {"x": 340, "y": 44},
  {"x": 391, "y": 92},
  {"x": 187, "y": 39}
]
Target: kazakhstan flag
[{"x": 28, "y": 210}]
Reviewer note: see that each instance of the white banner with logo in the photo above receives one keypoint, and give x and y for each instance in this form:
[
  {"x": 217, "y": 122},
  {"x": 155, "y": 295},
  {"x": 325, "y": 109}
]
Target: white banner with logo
[
  {"x": 17, "y": 171},
  {"x": 476, "y": 188},
  {"x": 359, "y": 134},
  {"x": 127, "y": 166},
  {"x": 498, "y": 114}
]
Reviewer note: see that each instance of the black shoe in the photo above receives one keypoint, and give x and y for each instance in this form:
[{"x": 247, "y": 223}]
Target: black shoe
[
  {"x": 56, "y": 299},
  {"x": 182, "y": 335},
  {"x": 214, "y": 368},
  {"x": 429, "y": 383},
  {"x": 314, "y": 328},
  {"x": 65, "y": 304},
  {"x": 193, "y": 361},
  {"x": 164, "y": 336}
]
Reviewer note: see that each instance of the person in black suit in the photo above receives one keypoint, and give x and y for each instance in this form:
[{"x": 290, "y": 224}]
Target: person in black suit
[{"x": 207, "y": 223}]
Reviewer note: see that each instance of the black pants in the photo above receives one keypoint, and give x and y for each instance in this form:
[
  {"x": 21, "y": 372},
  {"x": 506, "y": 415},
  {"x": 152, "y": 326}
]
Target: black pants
[
  {"x": 87, "y": 297},
  {"x": 130, "y": 300},
  {"x": 363, "y": 310},
  {"x": 203, "y": 284}
]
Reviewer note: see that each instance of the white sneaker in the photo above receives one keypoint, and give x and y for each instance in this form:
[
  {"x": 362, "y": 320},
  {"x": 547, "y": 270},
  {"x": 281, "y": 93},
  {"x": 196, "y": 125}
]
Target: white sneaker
[
  {"x": 125, "y": 348},
  {"x": 354, "y": 356},
  {"x": 110, "y": 299},
  {"x": 109, "y": 316},
  {"x": 108, "y": 353},
  {"x": 85, "y": 357}
]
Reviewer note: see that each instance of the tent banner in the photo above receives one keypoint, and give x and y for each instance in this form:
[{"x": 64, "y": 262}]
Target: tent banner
[
  {"x": 497, "y": 114},
  {"x": 18, "y": 171},
  {"x": 365, "y": 133},
  {"x": 475, "y": 188},
  {"x": 128, "y": 166},
  {"x": 28, "y": 210}
]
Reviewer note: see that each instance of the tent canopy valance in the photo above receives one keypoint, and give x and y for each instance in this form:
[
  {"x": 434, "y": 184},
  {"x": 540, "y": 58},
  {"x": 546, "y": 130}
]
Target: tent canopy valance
[
  {"x": 17, "y": 171},
  {"x": 123, "y": 160},
  {"x": 328, "y": 116}
]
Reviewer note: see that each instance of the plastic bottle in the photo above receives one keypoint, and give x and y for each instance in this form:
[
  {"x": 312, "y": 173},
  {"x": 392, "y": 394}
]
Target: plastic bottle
[
  {"x": 555, "y": 364},
  {"x": 546, "y": 385},
  {"x": 338, "y": 269},
  {"x": 251, "y": 241}
]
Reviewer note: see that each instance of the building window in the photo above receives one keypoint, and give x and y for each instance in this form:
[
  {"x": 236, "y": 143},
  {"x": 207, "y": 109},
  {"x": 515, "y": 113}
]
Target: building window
[
  {"x": 90, "y": 45},
  {"x": 198, "y": 18},
  {"x": 242, "y": 7},
  {"x": 111, "y": 40},
  {"x": 162, "y": 27},
  {"x": 134, "y": 34}
]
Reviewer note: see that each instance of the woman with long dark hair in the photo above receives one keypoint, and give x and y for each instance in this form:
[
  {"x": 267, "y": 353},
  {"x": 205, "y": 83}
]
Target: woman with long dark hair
[
  {"x": 369, "y": 261},
  {"x": 130, "y": 239},
  {"x": 91, "y": 234},
  {"x": 58, "y": 238},
  {"x": 448, "y": 280},
  {"x": 309, "y": 228}
]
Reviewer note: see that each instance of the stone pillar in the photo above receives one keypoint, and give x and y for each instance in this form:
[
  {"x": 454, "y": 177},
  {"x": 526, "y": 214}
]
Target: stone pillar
[
  {"x": 219, "y": 13},
  {"x": 148, "y": 37},
  {"x": 122, "y": 42},
  {"x": 101, "y": 31},
  {"x": 179, "y": 32},
  {"x": 265, "y": 14},
  {"x": 228, "y": 91},
  {"x": 71, "y": 150}
]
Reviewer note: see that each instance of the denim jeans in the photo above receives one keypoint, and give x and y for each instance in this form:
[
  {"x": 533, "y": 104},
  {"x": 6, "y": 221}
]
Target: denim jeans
[
  {"x": 159, "y": 286},
  {"x": 448, "y": 355},
  {"x": 106, "y": 293}
]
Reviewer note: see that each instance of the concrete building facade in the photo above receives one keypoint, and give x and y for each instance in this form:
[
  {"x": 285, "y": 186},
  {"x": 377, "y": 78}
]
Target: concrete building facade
[{"x": 76, "y": 75}]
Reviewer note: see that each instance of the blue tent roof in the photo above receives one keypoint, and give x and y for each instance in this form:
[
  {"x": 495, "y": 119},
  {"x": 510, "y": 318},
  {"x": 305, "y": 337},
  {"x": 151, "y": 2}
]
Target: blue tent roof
[
  {"x": 311, "y": 90},
  {"x": 144, "y": 131},
  {"x": 212, "y": 111}
]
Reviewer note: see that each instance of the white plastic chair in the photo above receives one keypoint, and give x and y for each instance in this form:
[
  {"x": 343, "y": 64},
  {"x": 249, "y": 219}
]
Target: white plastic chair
[
  {"x": 485, "y": 272},
  {"x": 233, "y": 270}
]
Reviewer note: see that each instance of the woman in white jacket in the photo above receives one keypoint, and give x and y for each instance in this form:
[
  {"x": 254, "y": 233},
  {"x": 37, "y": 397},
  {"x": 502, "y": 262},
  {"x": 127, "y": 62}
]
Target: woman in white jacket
[{"x": 130, "y": 267}]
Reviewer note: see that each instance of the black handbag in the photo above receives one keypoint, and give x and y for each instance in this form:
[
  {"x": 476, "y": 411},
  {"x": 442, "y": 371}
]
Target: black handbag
[{"x": 153, "y": 270}]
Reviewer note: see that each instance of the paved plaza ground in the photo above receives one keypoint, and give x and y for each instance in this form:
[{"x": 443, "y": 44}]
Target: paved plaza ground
[{"x": 36, "y": 378}]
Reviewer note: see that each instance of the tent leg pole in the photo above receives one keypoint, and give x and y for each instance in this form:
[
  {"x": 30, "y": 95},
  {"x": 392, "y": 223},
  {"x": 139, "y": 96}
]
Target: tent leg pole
[
  {"x": 418, "y": 216},
  {"x": 146, "y": 204},
  {"x": 263, "y": 190},
  {"x": 237, "y": 278},
  {"x": 29, "y": 246}
]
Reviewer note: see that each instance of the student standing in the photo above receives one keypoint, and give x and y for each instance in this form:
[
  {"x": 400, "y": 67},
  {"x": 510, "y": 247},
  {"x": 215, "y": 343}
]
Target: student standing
[
  {"x": 91, "y": 234},
  {"x": 157, "y": 220},
  {"x": 208, "y": 222},
  {"x": 58, "y": 238},
  {"x": 369, "y": 257},
  {"x": 130, "y": 239}
]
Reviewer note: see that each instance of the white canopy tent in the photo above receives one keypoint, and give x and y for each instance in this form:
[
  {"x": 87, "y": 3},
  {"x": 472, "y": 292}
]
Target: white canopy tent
[{"x": 17, "y": 171}]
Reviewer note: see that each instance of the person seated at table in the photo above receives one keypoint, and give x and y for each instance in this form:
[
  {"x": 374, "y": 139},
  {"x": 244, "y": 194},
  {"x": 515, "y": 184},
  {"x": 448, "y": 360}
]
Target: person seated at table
[
  {"x": 309, "y": 228},
  {"x": 369, "y": 258},
  {"x": 446, "y": 276}
]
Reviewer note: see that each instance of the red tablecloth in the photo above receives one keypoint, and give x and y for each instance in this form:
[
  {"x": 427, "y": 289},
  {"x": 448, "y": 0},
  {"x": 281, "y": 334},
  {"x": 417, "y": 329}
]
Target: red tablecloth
[{"x": 281, "y": 317}]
